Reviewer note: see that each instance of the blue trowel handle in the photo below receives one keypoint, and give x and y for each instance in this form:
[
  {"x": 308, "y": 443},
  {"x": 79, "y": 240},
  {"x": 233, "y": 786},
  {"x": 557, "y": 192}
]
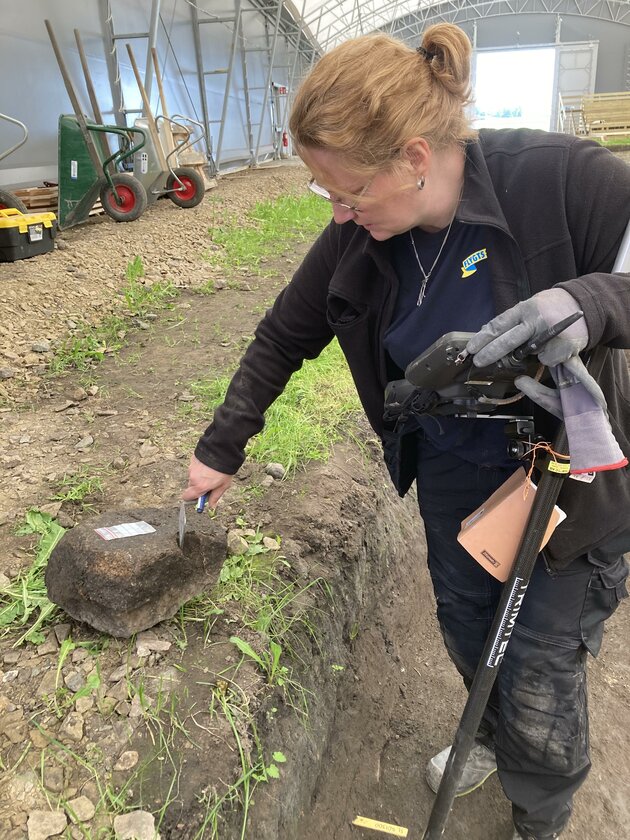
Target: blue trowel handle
[{"x": 201, "y": 502}]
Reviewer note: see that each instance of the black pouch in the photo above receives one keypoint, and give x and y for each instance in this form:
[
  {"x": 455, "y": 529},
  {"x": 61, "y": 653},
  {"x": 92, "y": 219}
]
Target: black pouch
[{"x": 399, "y": 452}]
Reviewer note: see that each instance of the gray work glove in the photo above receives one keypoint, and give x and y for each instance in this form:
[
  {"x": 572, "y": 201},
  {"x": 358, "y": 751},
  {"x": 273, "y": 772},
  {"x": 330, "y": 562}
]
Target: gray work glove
[
  {"x": 525, "y": 321},
  {"x": 577, "y": 399},
  {"x": 566, "y": 376},
  {"x": 580, "y": 402}
]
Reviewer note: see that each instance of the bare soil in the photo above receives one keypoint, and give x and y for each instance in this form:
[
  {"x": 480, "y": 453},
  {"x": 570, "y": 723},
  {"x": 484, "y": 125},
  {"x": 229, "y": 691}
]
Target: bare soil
[{"x": 383, "y": 695}]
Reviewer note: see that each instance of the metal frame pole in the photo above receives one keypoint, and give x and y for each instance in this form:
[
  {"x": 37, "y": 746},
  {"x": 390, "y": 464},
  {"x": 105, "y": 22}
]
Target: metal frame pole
[
  {"x": 153, "y": 29},
  {"x": 228, "y": 80},
  {"x": 201, "y": 79},
  {"x": 111, "y": 59},
  {"x": 248, "y": 104},
  {"x": 272, "y": 54}
]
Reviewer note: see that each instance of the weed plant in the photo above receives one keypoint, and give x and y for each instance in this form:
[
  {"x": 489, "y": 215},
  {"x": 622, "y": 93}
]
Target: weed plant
[
  {"x": 269, "y": 228},
  {"x": 307, "y": 419},
  {"x": 26, "y": 596}
]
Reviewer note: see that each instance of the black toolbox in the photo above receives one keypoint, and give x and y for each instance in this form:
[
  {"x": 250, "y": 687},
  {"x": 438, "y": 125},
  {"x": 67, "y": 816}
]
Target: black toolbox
[{"x": 25, "y": 235}]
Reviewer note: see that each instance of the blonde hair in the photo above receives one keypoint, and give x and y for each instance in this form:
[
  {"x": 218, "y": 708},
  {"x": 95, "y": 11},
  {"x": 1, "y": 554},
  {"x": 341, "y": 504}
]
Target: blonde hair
[{"x": 366, "y": 98}]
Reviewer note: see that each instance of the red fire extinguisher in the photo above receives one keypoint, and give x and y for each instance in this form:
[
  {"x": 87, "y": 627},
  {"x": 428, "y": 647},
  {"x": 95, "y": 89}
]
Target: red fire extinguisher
[{"x": 285, "y": 144}]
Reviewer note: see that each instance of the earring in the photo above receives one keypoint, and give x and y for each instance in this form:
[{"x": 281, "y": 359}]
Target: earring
[{"x": 421, "y": 182}]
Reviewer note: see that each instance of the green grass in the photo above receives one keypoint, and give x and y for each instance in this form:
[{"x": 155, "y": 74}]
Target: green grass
[
  {"x": 307, "y": 419},
  {"x": 267, "y": 230},
  {"x": 75, "y": 487},
  {"x": 612, "y": 142},
  {"x": 91, "y": 343}
]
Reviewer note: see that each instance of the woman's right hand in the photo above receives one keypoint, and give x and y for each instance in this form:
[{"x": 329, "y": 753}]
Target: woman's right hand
[{"x": 203, "y": 479}]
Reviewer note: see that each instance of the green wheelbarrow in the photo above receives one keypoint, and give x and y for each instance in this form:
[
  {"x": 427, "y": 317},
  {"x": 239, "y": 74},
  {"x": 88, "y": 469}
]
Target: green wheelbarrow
[{"x": 123, "y": 197}]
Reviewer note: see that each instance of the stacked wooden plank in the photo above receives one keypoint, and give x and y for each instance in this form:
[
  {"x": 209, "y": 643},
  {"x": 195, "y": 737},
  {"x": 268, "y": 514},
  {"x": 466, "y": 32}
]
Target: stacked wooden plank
[
  {"x": 607, "y": 113},
  {"x": 44, "y": 199}
]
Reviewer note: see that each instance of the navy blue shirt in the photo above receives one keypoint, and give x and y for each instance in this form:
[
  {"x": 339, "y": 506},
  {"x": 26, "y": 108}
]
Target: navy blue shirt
[{"x": 458, "y": 297}]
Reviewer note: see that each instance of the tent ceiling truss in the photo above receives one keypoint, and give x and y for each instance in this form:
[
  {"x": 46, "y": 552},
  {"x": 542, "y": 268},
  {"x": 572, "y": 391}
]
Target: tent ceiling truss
[{"x": 334, "y": 22}]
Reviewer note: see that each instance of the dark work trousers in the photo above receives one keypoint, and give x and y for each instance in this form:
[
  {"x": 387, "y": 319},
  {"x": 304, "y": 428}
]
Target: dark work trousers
[{"x": 536, "y": 719}]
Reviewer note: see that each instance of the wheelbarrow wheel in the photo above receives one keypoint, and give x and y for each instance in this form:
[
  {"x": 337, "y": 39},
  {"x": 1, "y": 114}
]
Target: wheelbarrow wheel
[
  {"x": 191, "y": 190},
  {"x": 8, "y": 200},
  {"x": 131, "y": 194}
]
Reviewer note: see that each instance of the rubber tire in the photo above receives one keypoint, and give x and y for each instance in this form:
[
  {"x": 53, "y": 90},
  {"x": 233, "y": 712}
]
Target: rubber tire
[
  {"x": 7, "y": 200},
  {"x": 132, "y": 191},
  {"x": 192, "y": 196}
]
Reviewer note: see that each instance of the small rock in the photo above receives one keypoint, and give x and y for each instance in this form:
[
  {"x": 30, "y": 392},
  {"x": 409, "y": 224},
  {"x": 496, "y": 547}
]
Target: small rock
[
  {"x": 138, "y": 825},
  {"x": 80, "y": 809},
  {"x": 118, "y": 463},
  {"x": 61, "y": 245},
  {"x": 123, "y": 708},
  {"x": 6, "y": 373},
  {"x": 236, "y": 544},
  {"x": 65, "y": 520},
  {"x": 79, "y": 655},
  {"x": 85, "y": 442},
  {"x": 127, "y": 760},
  {"x": 11, "y": 656},
  {"x": 106, "y": 412},
  {"x": 93, "y": 390},
  {"x": 275, "y": 470},
  {"x": 48, "y": 684},
  {"x": 118, "y": 673},
  {"x": 44, "y": 824},
  {"x": 267, "y": 481},
  {"x": 84, "y": 704},
  {"x": 10, "y": 676},
  {"x": 41, "y": 347},
  {"x": 39, "y": 739},
  {"x": 52, "y": 509},
  {"x": 74, "y": 681},
  {"x": 77, "y": 394},
  {"x": 53, "y": 778},
  {"x": 219, "y": 284},
  {"x": 120, "y": 691},
  {"x": 11, "y": 463},
  {"x": 61, "y": 631},
  {"x": 147, "y": 449},
  {"x": 150, "y": 641},
  {"x": 72, "y": 726},
  {"x": 49, "y": 646},
  {"x": 271, "y": 544},
  {"x": 64, "y": 406},
  {"x": 107, "y": 705}
]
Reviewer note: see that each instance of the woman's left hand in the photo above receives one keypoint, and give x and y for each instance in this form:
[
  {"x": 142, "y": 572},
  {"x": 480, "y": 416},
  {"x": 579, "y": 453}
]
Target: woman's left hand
[{"x": 524, "y": 322}]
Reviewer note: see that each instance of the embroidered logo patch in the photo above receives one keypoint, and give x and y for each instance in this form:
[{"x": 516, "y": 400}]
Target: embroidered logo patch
[{"x": 469, "y": 266}]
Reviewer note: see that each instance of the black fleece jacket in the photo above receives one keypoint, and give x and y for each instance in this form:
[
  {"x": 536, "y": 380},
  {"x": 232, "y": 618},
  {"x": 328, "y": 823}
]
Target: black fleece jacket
[{"x": 557, "y": 208}]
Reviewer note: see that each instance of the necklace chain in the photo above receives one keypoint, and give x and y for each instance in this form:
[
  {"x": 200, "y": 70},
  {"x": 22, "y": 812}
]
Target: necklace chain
[{"x": 427, "y": 274}]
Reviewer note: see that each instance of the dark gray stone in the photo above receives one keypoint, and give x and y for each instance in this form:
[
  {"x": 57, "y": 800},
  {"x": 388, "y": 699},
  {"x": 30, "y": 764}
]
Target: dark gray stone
[{"x": 123, "y": 586}]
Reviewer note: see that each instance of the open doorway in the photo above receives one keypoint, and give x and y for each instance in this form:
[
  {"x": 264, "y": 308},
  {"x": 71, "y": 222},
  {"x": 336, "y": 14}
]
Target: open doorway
[{"x": 514, "y": 88}]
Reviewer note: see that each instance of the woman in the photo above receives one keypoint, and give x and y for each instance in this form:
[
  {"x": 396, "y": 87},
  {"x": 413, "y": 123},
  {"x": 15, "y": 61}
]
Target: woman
[{"x": 418, "y": 198}]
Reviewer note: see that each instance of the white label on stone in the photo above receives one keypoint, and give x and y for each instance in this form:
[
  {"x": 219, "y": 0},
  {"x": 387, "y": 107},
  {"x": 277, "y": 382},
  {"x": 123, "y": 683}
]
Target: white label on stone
[{"x": 127, "y": 529}]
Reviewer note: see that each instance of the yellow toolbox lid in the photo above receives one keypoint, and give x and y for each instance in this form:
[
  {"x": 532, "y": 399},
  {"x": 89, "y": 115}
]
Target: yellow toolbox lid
[{"x": 11, "y": 218}]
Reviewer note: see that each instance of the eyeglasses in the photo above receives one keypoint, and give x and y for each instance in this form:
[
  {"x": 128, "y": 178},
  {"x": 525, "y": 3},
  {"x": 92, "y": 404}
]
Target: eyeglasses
[{"x": 314, "y": 187}]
